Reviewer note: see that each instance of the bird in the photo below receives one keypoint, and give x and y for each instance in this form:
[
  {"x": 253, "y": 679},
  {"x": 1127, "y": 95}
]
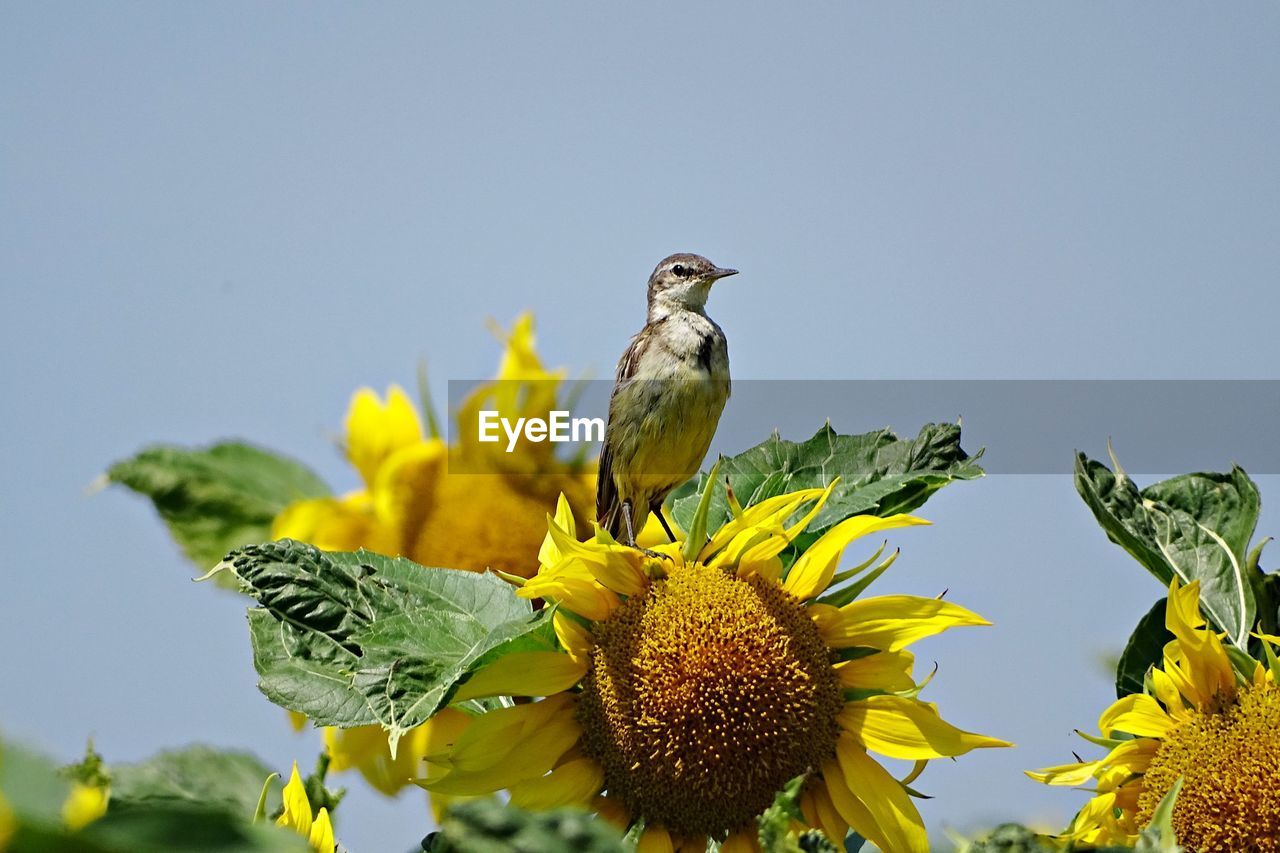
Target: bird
[{"x": 669, "y": 390}]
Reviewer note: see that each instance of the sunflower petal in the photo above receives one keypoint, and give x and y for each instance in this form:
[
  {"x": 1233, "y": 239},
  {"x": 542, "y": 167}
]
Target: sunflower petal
[
  {"x": 814, "y": 570},
  {"x": 886, "y": 815},
  {"x": 523, "y": 674},
  {"x": 819, "y": 812},
  {"x": 741, "y": 841},
  {"x": 376, "y": 430},
  {"x": 1073, "y": 775},
  {"x": 1137, "y": 714},
  {"x": 572, "y": 783},
  {"x": 888, "y": 671},
  {"x": 891, "y": 622},
  {"x": 321, "y": 835},
  {"x": 908, "y": 728},
  {"x": 297, "y": 808},
  {"x": 655, "y": 840}
]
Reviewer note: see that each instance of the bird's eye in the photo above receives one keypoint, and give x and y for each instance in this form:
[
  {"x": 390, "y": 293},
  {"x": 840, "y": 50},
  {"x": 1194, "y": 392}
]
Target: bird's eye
[{"x": 678, "y": 269}]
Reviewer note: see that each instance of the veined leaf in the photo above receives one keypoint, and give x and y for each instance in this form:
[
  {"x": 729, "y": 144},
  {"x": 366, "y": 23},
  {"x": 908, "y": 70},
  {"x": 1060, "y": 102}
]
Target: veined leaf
[
  {"x": 879, "y": 473},
  {"x": 202, "y": 776},
  {"x": 216, "y": 498},
  {"x": 357, "y": 638},
  {"x": 1194, "y": 527}
]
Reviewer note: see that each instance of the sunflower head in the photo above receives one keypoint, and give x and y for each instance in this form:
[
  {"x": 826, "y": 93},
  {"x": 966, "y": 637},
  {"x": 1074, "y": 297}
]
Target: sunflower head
[
  {"x": 706, "y": 694},
  {"x": 700, "y": 682},
  {"x": 1204, "y": 721}
]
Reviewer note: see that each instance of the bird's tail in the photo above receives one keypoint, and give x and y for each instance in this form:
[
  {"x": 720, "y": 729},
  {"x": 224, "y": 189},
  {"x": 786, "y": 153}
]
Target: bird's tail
[{"x": 608, "y": 501}]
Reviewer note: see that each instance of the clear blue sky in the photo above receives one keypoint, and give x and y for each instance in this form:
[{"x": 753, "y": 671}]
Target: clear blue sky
[{"x": 218, "y": 220}]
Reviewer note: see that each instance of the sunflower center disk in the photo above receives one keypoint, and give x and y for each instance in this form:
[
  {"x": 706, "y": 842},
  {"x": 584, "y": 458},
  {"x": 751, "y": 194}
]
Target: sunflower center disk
[
  {"x": 1230, "y": 764},
  {"x": 705, "y": 696}
]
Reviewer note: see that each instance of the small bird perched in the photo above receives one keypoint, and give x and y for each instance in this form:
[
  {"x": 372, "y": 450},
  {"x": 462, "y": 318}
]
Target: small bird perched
[{"x": 670, "y": 388}]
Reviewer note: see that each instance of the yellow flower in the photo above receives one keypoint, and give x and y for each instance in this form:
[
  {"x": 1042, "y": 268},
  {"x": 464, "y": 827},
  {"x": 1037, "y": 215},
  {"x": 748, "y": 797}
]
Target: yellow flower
[
  {"x": 84, "y": 805},
  {"x": 692, "y": 688},
  {"x": 411, "y": 505},
  {"x": 1201, "y": 721},
  {"x": 317, "y": 829},
  {"x": 491, "y": 516}
]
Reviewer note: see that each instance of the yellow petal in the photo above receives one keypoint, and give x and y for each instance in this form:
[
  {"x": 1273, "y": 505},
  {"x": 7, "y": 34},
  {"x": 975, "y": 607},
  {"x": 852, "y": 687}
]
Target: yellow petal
[
  {"x": 741, "y": 841},
  {"x": 813, "y": 571},
  {"x": 297, "y": 808},
  {"x": 84, "y": 805},
  {"x": 799, "y": 527},
  {"x": 321, "y": 835},
  {"x": 1137, "y": 714},
  {"x": 572, "y": 783},
  {"x": 851, "y": 810},
  {"x": 612, "y": 811},
  {"x": 820, "y": 812},
  {"x": 332, "y": 524},
  {"x": 1205, "y": 660},
  {"x": 907, "y": 728},
  {"x": 523, "y": 674},
  {"x": 575, "y": 639},
  {"x": 528, "y": 754},
  {"x": 376, "y": 430},
  {"x": 888, "y": 671},
  {"x": 586, "y": 598},
  {"x": 891, "y": 622},
  {"x": 1073, "y": 775},
  {"x": 365, "y": 748},
  {"x": 872, "y": 802},
  {"x": 885, "y": 798},
  {"x": 549, "y": 554},
  {"x": 489, "y": 738},
  {"x": 655, "y": 840},
  {"x": 1091, "y": 818},
  {"x": 770, "y": 513},
  {"x": 1166, "y": 690},
  {"x": 405, "y": 489},
  {"x": 615, "y": 566}
]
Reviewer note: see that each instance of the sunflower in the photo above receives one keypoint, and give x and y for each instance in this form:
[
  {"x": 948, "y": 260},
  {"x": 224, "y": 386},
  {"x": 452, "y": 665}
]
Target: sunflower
[
  {"x": 695, "y": 685},
  {"x": 411, "y": 505},
  {"x": 297, "y": 815},
  {"x": 1213, "y": 725}
]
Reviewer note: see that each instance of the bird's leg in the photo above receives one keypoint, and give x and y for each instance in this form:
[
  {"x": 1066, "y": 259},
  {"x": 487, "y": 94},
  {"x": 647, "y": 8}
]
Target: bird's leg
[
  {"x": 631, "y": 534},
  {"x": 656, "y": 509},
  {"x": 626, "y": 519}
]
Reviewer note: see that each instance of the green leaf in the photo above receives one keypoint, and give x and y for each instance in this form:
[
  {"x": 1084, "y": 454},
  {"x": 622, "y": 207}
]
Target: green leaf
[
  {"x": 697, "y": 535},
  {"x": 1158, "y": 836},
  {"x": 879, "y": 473},
  {"x": 1144, "y": 650},
  {"x": 488, "y": 826},
  {"x": 353, "y": 639},
  {"x": 217, "y": 498},
  {"x": 1195, "y": 527},
  {"x": 1267, "y": 590},
  {"x": 30, "y": 785},
  {"x": 34, "y": 790},
  {"x": 210, "y": 778}
]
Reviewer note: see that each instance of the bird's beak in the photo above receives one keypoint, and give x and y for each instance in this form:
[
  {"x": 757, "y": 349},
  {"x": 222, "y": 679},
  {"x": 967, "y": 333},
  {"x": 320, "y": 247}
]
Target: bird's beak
[{"x": 720, "y": 272}]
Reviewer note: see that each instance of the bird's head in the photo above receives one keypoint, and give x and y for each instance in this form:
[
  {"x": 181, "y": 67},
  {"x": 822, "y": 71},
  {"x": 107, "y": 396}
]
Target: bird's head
[{"x": 682, "y": 281}]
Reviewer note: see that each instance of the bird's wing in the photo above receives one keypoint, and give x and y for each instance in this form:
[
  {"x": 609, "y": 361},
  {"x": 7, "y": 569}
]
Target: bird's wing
[{"x": 608, "y": 501}]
